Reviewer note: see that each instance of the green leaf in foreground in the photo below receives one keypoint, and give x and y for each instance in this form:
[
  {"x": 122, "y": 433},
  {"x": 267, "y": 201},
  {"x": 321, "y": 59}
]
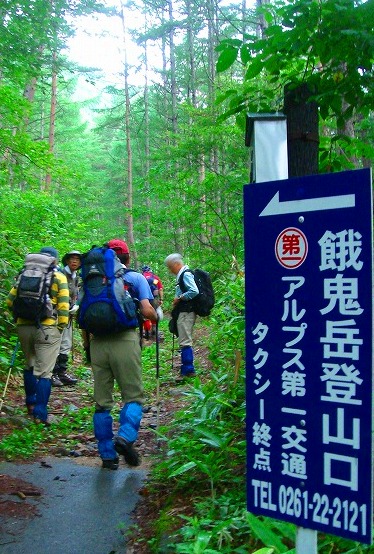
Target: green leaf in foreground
[{"x": 262, "y": 530}]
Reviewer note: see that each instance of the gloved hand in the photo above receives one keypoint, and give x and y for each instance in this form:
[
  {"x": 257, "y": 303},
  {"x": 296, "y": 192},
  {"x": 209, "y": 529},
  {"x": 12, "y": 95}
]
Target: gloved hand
[{"x": 74, "y": 309}]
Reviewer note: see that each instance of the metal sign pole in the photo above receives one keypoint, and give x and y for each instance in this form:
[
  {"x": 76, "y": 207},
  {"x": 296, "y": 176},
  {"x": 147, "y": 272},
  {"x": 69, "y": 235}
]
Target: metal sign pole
[{"x": 306, "y": 541}]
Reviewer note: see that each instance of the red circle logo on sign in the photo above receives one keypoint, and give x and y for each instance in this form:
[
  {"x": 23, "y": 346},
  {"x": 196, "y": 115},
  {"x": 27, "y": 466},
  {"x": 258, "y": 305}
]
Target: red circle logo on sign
[{"x": 291, "y": 248}]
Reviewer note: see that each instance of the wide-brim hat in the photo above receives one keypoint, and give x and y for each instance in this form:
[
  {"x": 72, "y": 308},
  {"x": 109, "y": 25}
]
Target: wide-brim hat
[{"x": 71, "y": 253}]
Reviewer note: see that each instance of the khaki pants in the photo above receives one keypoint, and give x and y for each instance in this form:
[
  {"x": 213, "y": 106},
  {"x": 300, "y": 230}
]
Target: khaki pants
[
  {"x": 117, "y": 358},
  {"x": 185, "y": 323},
  {"x": 67, "y": 339},
  {"x": 40, "y": 348}
]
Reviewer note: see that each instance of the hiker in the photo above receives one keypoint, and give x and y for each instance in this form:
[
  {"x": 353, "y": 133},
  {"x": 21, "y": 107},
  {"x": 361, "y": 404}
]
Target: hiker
[
  {"x": 40, "y": 338},
  {"x": 157, "y": 290},
  {"x": 70, "y": 264},
  {"x": 116, "y": 356},
  {"x": 182, "y": 312}
]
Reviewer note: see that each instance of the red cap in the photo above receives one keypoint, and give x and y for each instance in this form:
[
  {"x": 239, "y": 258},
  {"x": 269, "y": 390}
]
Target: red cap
[{"x": 119, "y": 246}]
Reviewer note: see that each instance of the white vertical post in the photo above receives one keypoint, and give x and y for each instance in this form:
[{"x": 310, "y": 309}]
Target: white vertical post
[
  {"x": 306, "y": 541},
  {"x": 266, "y": 134}
]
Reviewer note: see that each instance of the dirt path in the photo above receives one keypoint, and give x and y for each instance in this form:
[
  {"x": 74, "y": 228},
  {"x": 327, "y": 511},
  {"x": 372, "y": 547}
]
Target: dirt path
[
  {"x": 19, "y": 497},
  {"x": 72, "y": 507}
]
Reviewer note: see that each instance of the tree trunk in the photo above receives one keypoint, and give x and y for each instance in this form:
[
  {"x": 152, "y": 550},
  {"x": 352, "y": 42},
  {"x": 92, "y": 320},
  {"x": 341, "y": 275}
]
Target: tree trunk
[
  {"x": 191, "y": 87},
  {"x": 129, "y": 216},
  {"x": 173, "y": 80},
  {"x": 348, "y": 130},
  {"x": 52, "y": 117},
  {"x": 147, "y": 149},
  {"x": 261, "y": 22},
  {"x": 212, "y": 43},
  {"x": 302, "y": 132}
]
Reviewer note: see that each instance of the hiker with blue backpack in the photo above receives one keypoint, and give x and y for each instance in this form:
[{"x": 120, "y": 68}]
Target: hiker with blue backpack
[
  {"x": 39, "y": 301},
  {"x": 110, "y": 296}
]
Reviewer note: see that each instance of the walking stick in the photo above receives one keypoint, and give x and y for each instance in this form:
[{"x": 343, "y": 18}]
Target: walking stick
[
  {"x": 72, "y": 340},
  {"x": 172, "y": 357},
  {"x": 9, "y": 372},
  {"x": 157, "y": 376}
]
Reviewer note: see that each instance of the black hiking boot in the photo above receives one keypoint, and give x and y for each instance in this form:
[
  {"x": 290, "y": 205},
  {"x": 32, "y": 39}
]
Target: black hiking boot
[
  {"x": 55, "y": 381},
  {"x": 62, "y": 370},
  {"x": 30, "y": 409},
  {"x": 67, "y": 379},
  {"x": 127, "y": 450},
  {"x": 112, "y": 463},
  {"x": 44, "y": 422}
]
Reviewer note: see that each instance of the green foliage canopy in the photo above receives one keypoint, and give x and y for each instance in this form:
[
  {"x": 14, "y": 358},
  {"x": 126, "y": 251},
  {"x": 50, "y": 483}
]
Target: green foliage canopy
[{"x": 328, "y": 44}]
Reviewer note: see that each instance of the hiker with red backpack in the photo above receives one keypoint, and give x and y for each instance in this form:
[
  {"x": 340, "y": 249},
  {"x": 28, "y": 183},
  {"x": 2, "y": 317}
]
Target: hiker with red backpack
[
  {"x": 39, "y": 301},
  {"x": 157, "y": 289},
  {"x": 108, "y": 314}
]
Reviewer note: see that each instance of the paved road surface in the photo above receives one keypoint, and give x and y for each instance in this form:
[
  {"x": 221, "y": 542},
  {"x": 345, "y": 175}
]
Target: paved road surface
[{"x": 82, "y": 509}]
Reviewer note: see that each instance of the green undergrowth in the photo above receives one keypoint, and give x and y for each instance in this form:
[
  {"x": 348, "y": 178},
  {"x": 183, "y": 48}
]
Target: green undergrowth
[
  {"x": 27, "y": 438},
  {"x": 24, "y": 439},
  {"x": 200, "y": 480},
  {"x": 22, "y": 442}
]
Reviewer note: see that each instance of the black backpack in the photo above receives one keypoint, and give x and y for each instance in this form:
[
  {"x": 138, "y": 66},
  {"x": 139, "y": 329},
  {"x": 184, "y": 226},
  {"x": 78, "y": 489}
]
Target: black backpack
[
  {"x": 106, "y": 306},
  {"x": 33, "y": 301},
  {"x": 203, "y": 303}
]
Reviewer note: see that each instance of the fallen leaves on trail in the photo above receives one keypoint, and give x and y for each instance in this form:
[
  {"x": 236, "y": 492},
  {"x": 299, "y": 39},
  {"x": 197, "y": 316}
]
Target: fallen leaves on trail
[{"x": 9, "y": 508}]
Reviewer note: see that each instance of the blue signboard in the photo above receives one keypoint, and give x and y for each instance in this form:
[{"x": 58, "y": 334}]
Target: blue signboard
[{"x": 309, "y": 333}]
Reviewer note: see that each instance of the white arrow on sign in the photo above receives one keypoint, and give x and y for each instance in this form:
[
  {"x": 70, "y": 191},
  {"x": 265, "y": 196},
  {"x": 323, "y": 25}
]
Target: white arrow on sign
[{"x": 276, "y": 207}]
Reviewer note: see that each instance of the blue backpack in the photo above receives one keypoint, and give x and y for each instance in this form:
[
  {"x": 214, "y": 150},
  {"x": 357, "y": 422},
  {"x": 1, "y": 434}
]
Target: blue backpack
[{"x": 106, "y": 306}]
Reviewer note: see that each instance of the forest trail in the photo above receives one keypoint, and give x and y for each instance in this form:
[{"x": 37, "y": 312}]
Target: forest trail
[
  {"x": 61, "y": 500},
  {"x": 67, "y": 507}
]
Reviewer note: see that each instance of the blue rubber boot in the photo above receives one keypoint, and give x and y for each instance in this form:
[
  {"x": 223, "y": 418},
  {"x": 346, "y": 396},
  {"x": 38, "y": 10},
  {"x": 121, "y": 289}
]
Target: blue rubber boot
[
  {"x": 29, "y": 383},
  {"x": 129, "y": 421},
  {"x": 187, "y": 367},
  {"x": 103, "y": 427},
  {"x": 43, "y": 391}
]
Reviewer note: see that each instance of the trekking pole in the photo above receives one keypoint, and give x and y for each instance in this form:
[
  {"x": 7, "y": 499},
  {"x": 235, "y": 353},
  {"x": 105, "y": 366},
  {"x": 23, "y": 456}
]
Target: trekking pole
[
  {"x": 9, "y": 372},
  {"x": 172, "y": 357},
  {"x": 157, "y": 377},
  {"x": 72, "y": 340}
]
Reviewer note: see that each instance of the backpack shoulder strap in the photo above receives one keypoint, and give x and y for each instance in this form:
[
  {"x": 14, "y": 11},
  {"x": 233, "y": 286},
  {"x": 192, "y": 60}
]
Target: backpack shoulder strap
[
  {"x": 109, "y": 263},
  {"x": 128, "y": 269},
  {"x": 181, "y": 281},
  {"x": 129, "y": 285}
]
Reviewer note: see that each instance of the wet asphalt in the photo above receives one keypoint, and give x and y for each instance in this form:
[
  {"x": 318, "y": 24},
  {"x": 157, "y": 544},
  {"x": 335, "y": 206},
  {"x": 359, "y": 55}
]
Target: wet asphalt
[{"x": 81, "y": 509}]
